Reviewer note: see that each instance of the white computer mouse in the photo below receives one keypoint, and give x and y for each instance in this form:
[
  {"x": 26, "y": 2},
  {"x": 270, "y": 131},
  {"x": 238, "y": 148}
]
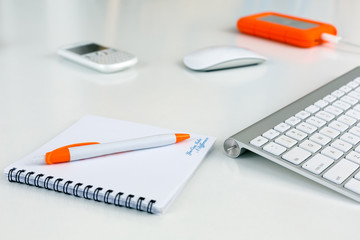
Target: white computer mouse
[{"x": 221, "y": 57}]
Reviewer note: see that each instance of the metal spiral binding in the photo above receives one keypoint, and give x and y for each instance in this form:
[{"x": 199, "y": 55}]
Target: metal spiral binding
[{"x": 15, "y": 176}]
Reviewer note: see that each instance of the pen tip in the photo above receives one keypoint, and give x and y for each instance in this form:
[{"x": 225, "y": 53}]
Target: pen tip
[{"x": 181, "y": 136}]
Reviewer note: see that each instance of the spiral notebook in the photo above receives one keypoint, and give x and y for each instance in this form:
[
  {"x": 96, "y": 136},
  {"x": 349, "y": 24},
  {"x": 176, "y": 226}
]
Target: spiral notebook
[{"x": 146, "y": 180}]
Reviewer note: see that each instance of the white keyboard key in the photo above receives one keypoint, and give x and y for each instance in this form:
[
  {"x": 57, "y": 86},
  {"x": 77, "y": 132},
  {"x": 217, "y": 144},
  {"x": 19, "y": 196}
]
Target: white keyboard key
[
  {"x": 282, "y": 127},
  {"x": 292, "y": 121},
  {"x": 274, "y": 148},
  {"x": 355, "y": 131},
  {"x": 357, "y": 107},
  {"x": 321, "y": 103},
  {"x": 320, "y": 139},
  {"x": 271, "y": 134},
  {"x": 350, "y": 138},
  {"x": 329, "y": 98},
  {"x": 317, "y": 164},
  {"x": 357, "y": 176},
  {"x": 332, "y": 153},
  {"x": 296, "y": 155},
  {"x": 316, "y": 121},
  {"x": 330, "y": 132},
  {"x": 353, "y": 185},
  {"x": 349, "y": 100},
  {"x": 357, "y": 149},
  {"x": 338, "y": 93},
  {"x": 354, "y": 114},
  {"x": 302, "y": 115},
  {"x": 333, "y": 110},
  {"x": 258, "y": 141},
  {"x": 310, "y": 146},
  {"x": 357, "y": 80},
  {"x": 341, "y": 145},
  {"x": 325, "y": 116},
  {"x": 341, "y": 171},
  {"x": 342, "y": 105},
  {"x": 347, "y": 120},
  {"x": 285, "y": 141},
  {"x": 338, "y": 126},
  {"x": 355, "y": 95},
  {"x": 353, "y": 84},
  {"x": 345, "y": 89},
  {"x": 305, "y": 127},
  {"x": 296, "y": 134},
  {"x": 312, "y": 109},
  {"x": 354, "y": 157}
]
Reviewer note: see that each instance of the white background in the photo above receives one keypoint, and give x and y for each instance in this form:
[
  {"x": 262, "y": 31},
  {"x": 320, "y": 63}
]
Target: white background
[{"x": 250, "y": 197}]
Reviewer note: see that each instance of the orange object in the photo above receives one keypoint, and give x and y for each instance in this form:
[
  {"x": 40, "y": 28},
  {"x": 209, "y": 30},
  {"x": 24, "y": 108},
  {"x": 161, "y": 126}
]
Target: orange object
[
  {"x": 181, "y": 136},
  {"x": 284, "y": 28},
  {"x": 63, "y": 154}
]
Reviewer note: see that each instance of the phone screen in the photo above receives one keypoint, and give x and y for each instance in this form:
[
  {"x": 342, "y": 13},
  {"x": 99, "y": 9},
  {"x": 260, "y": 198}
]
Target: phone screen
[
  {"x": 289, "y": 22},
  {"x": 85, "y": 49}
]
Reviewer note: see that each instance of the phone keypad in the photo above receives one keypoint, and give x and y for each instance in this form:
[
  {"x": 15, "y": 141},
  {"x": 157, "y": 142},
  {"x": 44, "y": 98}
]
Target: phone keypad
[{"x": 109, "y": 56}]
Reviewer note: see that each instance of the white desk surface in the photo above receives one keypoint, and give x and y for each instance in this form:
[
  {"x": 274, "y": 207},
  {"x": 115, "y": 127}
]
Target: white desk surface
[{"x": 245, "y": 198}]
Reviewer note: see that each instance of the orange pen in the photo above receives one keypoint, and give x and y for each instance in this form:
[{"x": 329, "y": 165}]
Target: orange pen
[{"x": 80, "y": 151}]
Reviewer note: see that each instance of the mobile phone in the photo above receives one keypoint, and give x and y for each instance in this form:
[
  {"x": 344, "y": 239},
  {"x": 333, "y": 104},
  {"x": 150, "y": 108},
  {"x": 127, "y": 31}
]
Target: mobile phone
[
  {"x": 98, "y": 57},
  {"x": 284, "y": 28}
]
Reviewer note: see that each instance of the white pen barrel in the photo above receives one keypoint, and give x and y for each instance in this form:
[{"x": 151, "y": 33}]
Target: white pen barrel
[{"x": 89, "y": 151}]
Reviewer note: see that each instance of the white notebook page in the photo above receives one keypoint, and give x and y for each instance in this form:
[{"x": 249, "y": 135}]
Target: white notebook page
[{"x": 154, "y": 174}]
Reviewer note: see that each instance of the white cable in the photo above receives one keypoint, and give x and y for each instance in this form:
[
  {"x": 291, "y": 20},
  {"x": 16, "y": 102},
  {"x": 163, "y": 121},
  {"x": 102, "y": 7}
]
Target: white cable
[{"x": 336, "y": 39}]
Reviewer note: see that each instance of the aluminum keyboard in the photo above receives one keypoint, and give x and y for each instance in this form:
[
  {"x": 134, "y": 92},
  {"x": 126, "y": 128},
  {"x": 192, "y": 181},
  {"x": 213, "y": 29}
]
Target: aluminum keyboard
[{"x": 317, "y": 136}]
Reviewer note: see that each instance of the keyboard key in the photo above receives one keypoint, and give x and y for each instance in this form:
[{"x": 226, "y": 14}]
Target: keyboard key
[
  {"x": 349, "y": 100},
  {"x": 258, "y": 141},
  {"x": 285, "y": 141},
  {"x": 355, "y": 95},
  {"x": 316, "y": 121},
  {"x": 341, "y": 145},
  {"x": 296, "y": 134},
  {"x": 347, "y": 120},
  {"x": 282, "y": 127},
  {"x": 317, "y": 164},
  {"x": 354, "y": 157},
  {"x": 341, "y": 171},
  {"x": 337, "y": 93},
  {"x": 310, "y": 146},
  {"x": 350, "y": 138},
  {"x": 357, "y": 80},
  {"x": 332, "y": 153},
  {"x": 274, "y": 148},
  {"x": 354, "y": 114},
  {"x": 270, "y": 134},
  {"x": 353, "y": 185},
  {"x": 338, "y": 126},
  {"x": 302, "y": 115},
  {"x": 292, "y": 121},
  {"x": 342, "y": 105},
  {"x": 355, "y": 131},
  {"x": 333, "y": 110},
  {"x": 325, "y": 116},
  {"x": 345, "y": 89},
  {"x": 357, "y": 107},
  {"x": 296, "y": 155},
  {"x": 312, "y": 109},
  {"x": 353, "y": 84},
  {"x": 329, "y": 98},
  {"x": 330, "y": 132},
  {"x": 320, "y": 139},
  {"x": 305, "y": 127},
  {"x": 321, "y": 103}
]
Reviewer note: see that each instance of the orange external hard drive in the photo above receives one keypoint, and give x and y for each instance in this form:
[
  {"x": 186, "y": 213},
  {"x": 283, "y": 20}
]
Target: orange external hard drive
[{"x": 284, "y": 28}]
